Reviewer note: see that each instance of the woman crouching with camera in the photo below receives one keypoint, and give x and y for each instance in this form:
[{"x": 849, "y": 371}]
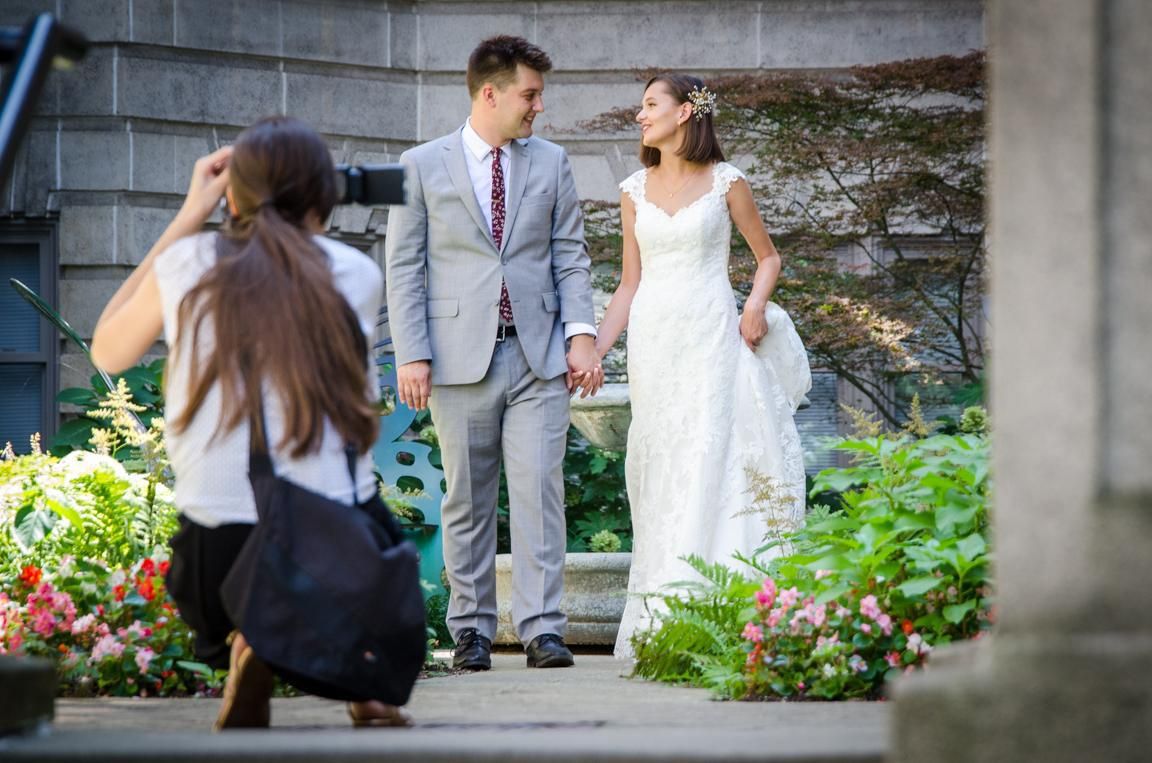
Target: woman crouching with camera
[{"x": 257, "y": 322}]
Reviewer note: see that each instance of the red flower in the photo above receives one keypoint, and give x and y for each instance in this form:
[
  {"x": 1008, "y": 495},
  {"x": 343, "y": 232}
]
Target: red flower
[
  {"x": 164, "y": 565},
  {"x": 148, "y": 567},
  {"x": 118, "y": 593},
  {"x": 146, "y": 589},
  {"x": 907, "y": 627},
  {"x": 31, "y": 574}
]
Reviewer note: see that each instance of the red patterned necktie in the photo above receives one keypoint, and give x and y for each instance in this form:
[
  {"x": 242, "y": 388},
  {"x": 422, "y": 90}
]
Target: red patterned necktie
[{"x": 498, "y": 229}]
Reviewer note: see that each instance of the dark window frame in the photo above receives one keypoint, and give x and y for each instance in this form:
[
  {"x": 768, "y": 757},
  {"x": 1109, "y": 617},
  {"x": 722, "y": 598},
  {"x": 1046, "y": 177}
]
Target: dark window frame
[{"x": 44, "y": 235}]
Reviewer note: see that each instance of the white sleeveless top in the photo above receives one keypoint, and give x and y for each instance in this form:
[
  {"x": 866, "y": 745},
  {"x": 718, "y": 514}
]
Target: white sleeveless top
[{"x": 211, "y": 468}]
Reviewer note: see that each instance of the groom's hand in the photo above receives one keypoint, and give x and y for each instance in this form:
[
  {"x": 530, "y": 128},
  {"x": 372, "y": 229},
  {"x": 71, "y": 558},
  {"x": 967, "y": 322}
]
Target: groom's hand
[
  {"x": 414, "y": 382},
  {"x": 584, "y": 369}
]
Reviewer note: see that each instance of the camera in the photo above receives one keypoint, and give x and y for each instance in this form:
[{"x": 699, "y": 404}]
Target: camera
[{"x": 370, "y": 184}]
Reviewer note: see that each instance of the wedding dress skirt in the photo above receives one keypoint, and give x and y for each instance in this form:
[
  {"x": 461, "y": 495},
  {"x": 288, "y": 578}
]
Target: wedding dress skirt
[{"x": 712, "y": 421}]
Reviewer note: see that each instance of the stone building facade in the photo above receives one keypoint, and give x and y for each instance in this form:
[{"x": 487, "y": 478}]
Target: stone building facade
[{"x": 105, "y": 163}]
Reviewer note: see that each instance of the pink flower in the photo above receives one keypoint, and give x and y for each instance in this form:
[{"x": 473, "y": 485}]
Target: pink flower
[
  {"x": 753, "y": 633},
  {"x": 893, "y": 659},
  {"x": 769, "y": 587},
  {"x": 885, "y": 623},
  {"x": 107, "y": 646},
  {"x": 800, "y": 685},
  {"x": 789, "y": 597},
  {"x": 83, "y": 624},
  {"x": 865, "y": 627},
  {"x": 827, "y": 641},
  {"x": 821, "y": 574},
  {"x": 917, "y": 644},
  {"x": 764, "y": 599},
  {"x": 869, "y": 607},
  {"x": 816, "y": 614},
  {"x": 775, "y": 616},
  {"x": 144, "y": 657},
  {"x": 842, "y": 611},
  {"x": 44, "y": 623}
]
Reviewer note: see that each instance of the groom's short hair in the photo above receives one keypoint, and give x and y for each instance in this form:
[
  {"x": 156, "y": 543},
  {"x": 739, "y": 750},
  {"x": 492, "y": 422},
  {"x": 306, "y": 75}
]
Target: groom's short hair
[{"x": 495, "y": 60}]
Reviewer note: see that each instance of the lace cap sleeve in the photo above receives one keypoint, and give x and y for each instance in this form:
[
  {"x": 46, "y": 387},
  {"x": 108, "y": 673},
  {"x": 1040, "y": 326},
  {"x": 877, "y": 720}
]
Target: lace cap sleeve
[
  {"x": 726, "y": 175},
  {"x": 633, "y": 185}
]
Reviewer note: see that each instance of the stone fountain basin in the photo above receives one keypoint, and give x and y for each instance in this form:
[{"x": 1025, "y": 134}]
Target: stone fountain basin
[{"x": 604, "y": 418}]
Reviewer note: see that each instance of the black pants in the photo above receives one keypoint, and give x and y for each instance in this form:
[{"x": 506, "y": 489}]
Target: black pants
[{"x": 201, "y": 559}]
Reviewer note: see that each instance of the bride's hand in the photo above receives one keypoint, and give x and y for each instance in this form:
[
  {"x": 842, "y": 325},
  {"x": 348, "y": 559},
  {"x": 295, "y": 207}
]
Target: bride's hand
[{"x": 753, "y": 328}]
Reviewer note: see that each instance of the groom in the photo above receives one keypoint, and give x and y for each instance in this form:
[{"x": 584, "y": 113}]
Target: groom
[{"x": 488, "y": 282}]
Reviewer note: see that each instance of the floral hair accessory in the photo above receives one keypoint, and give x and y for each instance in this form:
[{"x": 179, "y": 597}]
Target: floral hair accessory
[{"x": 703, "y": 101}]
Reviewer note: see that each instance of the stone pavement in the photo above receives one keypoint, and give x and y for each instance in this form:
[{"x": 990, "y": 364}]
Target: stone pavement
[{"x": 589, "y": 712}]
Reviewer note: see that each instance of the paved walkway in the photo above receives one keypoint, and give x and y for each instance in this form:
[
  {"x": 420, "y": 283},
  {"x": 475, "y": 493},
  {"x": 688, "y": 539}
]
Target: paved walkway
[{"x": 511, "y": 713}]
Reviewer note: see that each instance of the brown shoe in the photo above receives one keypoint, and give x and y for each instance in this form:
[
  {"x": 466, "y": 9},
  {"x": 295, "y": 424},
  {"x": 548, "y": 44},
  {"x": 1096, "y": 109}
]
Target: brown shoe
[
  {"x": 247, "y": 692},
  {"x": 377, "y": 714}
]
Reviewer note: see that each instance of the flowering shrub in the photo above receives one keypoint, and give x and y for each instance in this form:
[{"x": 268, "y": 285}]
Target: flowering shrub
[
  {"x": 110, "y": 631},
  {"x": 860, "y": 594},
  {"x": 82, "y": 561}
]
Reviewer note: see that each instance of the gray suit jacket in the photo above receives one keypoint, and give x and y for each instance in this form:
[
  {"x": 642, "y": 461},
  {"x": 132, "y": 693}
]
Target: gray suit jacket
[{"x": 444, "y": 271}]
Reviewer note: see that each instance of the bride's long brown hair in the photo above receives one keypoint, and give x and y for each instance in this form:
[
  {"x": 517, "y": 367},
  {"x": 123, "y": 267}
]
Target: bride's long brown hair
[{"x": 272, "y": 302}]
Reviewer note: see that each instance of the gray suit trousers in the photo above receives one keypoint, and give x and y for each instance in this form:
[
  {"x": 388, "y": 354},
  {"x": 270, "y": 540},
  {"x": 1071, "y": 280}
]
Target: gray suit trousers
[{"x": 510, "y": 413}]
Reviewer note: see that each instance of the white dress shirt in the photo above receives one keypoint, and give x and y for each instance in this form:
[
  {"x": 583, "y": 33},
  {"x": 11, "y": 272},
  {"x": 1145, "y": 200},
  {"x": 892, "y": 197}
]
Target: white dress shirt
[{"x": 478, "y": 156}]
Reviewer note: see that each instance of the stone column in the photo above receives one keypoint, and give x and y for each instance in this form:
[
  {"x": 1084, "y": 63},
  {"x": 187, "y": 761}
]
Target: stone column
[{"x": 1068, "y": 674}]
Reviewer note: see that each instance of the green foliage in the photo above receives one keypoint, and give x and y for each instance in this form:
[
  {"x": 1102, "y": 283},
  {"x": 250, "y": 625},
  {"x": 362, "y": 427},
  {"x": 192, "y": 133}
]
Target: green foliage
[
  {"x": 595, "y": 495},
  {"x": 110, "y": 630},
  {"x": 696, "y": 635},
  {"x": 144, "y": 384},
  {"x": 83, "y": 552},
  {"x": 858, "y": 594},
  {"x": 605, "y": 542}
]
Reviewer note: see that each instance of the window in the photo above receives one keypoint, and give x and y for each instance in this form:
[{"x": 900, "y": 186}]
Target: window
[
  {"x": 28, "y": 343},
  {"x": 818, "y": 423}
]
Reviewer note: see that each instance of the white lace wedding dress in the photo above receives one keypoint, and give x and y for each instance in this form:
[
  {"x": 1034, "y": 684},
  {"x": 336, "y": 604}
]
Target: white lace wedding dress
[{"x": 706, "y": 410}]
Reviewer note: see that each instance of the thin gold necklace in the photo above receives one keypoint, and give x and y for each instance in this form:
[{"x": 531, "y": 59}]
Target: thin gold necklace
[{"x": 672, "y": 194}]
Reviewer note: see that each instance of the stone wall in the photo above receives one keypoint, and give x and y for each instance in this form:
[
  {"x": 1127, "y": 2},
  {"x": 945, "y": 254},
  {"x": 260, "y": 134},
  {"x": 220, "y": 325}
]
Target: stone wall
[{"x": 169, "y": 80}]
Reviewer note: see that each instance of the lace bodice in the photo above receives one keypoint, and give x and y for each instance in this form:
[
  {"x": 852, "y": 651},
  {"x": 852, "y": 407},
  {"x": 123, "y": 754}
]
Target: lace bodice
[{"x": 694, "y": 242}]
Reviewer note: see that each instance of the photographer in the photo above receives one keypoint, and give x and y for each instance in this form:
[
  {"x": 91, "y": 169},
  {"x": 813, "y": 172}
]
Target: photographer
[{"x": 258, "y": 325}]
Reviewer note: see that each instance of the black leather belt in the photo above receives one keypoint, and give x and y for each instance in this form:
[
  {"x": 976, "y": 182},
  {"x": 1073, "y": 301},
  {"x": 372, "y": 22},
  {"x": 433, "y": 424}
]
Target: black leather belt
[{"x": 503, "y": 332}]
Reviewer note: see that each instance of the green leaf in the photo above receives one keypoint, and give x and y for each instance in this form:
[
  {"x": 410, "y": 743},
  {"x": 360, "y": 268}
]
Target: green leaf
[
  {"x": 837, "y": 481},
  {"x": 198, "y": 668},
  {"x": 833, "y": 593},
  {"x": 832, "y": 524},
  {"x": 954, "y": 613},
  {"x": 972, "y": 546},
  {"x": 81, "y": 396},
  {"x": 919, "y": 586},
  {"x": 31, "y": 525},
  {"x": 74, "y": 434}
]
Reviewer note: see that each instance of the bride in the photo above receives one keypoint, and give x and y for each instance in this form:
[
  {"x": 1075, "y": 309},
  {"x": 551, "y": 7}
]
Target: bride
[{"x": 714, "y": 462}]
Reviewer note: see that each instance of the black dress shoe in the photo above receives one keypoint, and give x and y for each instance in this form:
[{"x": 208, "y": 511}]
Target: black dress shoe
[
  {"x": 548, "y": 651},
  {"x": 473, "y": 651}
]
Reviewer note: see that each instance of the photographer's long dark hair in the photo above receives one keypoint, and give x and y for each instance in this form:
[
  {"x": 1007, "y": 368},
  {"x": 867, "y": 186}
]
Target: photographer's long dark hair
[{"x": 272, "y": 300}]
